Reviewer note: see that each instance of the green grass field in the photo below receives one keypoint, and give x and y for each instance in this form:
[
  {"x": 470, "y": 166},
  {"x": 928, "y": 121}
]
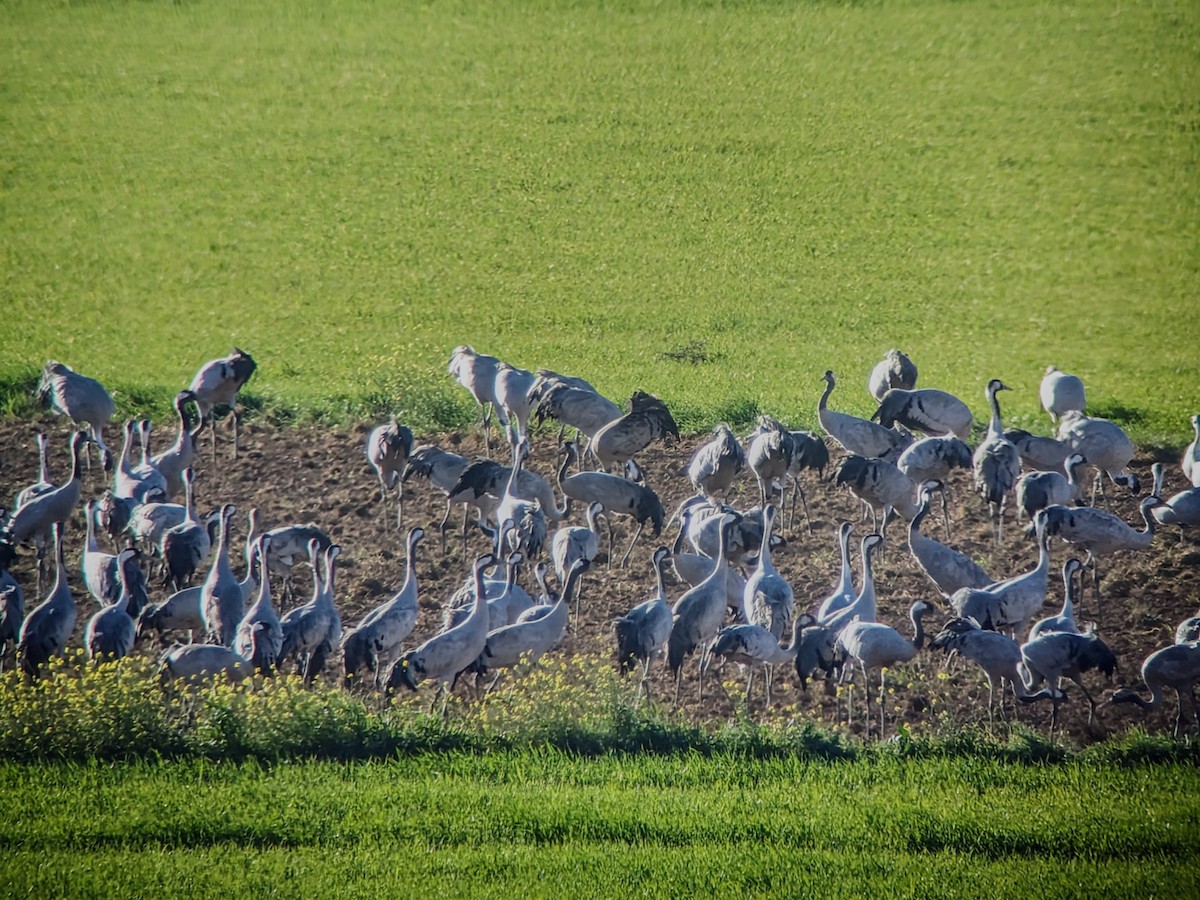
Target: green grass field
[
  {"x": 712, "y": 201},
  {"x": 548, "y": 824}
]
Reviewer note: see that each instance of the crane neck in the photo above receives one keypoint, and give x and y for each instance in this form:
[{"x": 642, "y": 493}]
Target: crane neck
[{"x": 995, "y": 427}]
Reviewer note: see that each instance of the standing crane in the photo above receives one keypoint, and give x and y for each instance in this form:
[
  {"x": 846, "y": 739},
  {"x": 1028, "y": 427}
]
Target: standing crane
[
  {"x": 770, "y": 456},
  {"x": 1065, "y": 620},
  {"x": 895, "y": 370},
  {"x": 477, "y": 373},
  {"x": 1038, "y": 490},
  {"x": 877, "y": 647},
  {"x": 754, "y": 646},
  {"x": 181, "y": 454},
  {"x": 572, "y": 402},
  {"x": 933, "y": 459},
  {"x": 185, "y": 546},
  {"x": 512, "y": 393},
  {"x": 81, "y": 399},
  {"x": 997, "y": 654},
  {"x": 259, "y": 636},
  {"x": 46, "y": 630},
  {"x": 950, "y": 570},
  {"x": 110, "y": 633},
  {"x": 808, "y": 452},
  {"x": 1176, "y": 667},
  {"x": 843, "y": 591},
  {"x": 643, "y": 632},
  {"x": 446, "y": 654},
  {"x": 715, "y": 464},
  {"x": 768, "y": 597},
  {"x": 1055, "y": 655},
  {"x": 997, "y": 463},
  {"x": 647, "y": 421},
  {"x": 43, "y": 484},
  {"x": 388, "y": 449},
  {"x": 1061, "y": 393},
  {"x": 1104, "y": 444},
  {"x": 879, "y": 484},
  {"x": 698, "y": 614},
  {"x": 442, "y": 469},
  {"x": 1191, "y": 455},
  {"x": 928, "y": 411},
  {"x": 376, "y": 639},
  {"x": 1038, "y": 452},
  {"x": 216, "y": 385},
  {"x": 312, "y": 631},
  {"x": 857, "y": 436},
  {"x": 221, "y": 603},
  {"x": 617, "y": 495}
]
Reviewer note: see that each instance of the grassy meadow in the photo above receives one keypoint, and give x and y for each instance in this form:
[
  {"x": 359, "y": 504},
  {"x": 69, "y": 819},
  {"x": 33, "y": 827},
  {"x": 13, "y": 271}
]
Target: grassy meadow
[
  {"x": 712, "y": 201},
  {"x": 549, "y": 824}
]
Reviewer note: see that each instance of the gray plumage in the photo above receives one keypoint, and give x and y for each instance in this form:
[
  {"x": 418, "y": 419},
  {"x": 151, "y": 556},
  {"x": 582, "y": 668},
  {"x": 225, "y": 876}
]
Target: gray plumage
[
  {"x": 512, "y": 393},
  {"x": 185, "y": 546},
  {"x": 769, "y": 455},
  {"x": 864, "y": 607},
  {"x": 882, "y": 486},
  {"x": 698, "y": 614},
  {"x": 877, "y": 647},
  {"x": 199, "y": 662},
  {"x": 1176, "y": 667},
  {"x": 1061, "y": 393},
  {"x": 1190, "y": 463},
  {"x": 216, "y": 385},
  {"x": 997, "y": 654},
  {"x": 43, "y": 484},
  {"x": 843, "y": 590},
  {"x": 34, "y": 520},
  {"x": 934, "y": 458},
  {"x": 46, "y": 630},
  {"x": 1065, "y": 620},
  {"x": 220, "y": 600},
  {"x": 311, "y": 632},
  {"x": 179, "y": 612},
  {"x": 182, "y": 453},
  {"x": 12, "y": 611},
  {"x": 572, "y": 404},
  {"x": 996, "y": 462},
  {"x": 81, "y": 399},
  {"x": 111, "y": 632},
  {"x": 1061, "y": 654},
  {"x": 263, "y": 652},
  {"x": 1009, "y": 605},
  {"x": 388, "y": 447},
  {"x": 526, "y": 641},
  {"x": 1103, "y": 444},
  {"x": 950, "y": 570},
  {"x": 1183, "y": 509},
  {"x": 375, "y": 641},
  {"x": 643, "y": 632},
  {"x": 477, "y": 373},
  {"x": 1044, "y": 454},
  {"x": 716, "y": 463},
  {"x": 769, "y": 598},
  {"x": 141, "y": 485},
  {"x": 857, "y": 436},
  {"x": 1038, "y": 490},
  {"x": 895, "y": 370},
  {"x": 647, "y": 421},
  {"x": 928, "y": 411},
  {"x": 754, "y": 646},
  {"x": 808, "y": 452}
]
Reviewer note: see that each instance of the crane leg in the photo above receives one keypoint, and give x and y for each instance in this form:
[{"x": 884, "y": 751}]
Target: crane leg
[
  {"x": 236, "y": 429},
  {"x": 400, "y": 508},
  {"x": 945, "y": 515},
  {"x": 636, "y": 535}
]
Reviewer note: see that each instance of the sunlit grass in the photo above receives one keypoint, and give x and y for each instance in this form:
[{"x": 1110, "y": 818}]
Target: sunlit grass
[{"x": 715, "y": 202}]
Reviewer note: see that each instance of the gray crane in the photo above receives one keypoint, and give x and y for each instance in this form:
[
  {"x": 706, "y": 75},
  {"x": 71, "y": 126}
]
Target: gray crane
[
  {"x": 618, "y": 495},
  {"x": 895, "y": 370},
  {"x": 81, "y": 399},
  {"x": 1060, "y": 654},
  {"x": 1190, "y": 463},
  {"x": 185, "y": 546},
  {"x": 1009, "y": 605},
  {"x": 182, "y": 453},
  {"x": 950, "y": 570},
  {"x": 856, "y": 435},
  {"x": 808, "y": 452},
  {"x": 1104, "y": 444},
  {"x": 880, "y": 485},
  {"x": 262, "y": 649},
  {"x": 33, "y": 521},
  {"x": 619, "y": 441},
  {"x": 929, "y": 411},
  {"x": 698, "y": 614},
  {"x": 876, "y": 647},
  {"x": 195, "y": 663},
  {"x": 1183, "y": 509},
  {"x": 643, "y": 632},
  {"x": 216, "y": 385},
  {"x": 442, "y": 469},
  {"x": 1038, "y": 490},
  {"x": 716, "y": 463},
  {"x": 43, "y": 484},
  {"x": 997, "y": 463},
  {"x": 512, "y": 393},
  {"x": 141, "y": 485},
  {"x": 933, "y": 459},
  {"x": 1176, "y": 667},
  {"x": 769, "y": 453},
  {"x": 220, "y": 597},
  {"x": 571, "y": 402},
  {"x": 477, "y": 373},
  {"x": 997, "y": 654},
  {"x": 1065, "y": 620},
  {"x": 1061, "y": 393},
  {"x": 1100, "y": 533},
  {"x": 388, "y": 448},
  {"x": 46, "y": 630},
  {"x": 768, "y": 597},
  {"x": 1038, "y": 452},
  {"x": 12, "y": 612},
  {"x": 311, "y": 632},
  {"x": 843, "y": 591},
  {"x": 375, "y": 641},
  {"x": 754, "y": 646},
  {"x": 111, "y": 632},
  {"x": 442, "y": 657}
]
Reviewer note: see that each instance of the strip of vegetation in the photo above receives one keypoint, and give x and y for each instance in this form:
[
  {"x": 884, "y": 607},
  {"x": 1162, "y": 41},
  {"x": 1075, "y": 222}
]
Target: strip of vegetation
[{"x": 121, "y": 712}]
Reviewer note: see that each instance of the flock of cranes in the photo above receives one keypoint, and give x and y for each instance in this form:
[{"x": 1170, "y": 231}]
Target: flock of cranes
[{"x": 724, "y": 600}]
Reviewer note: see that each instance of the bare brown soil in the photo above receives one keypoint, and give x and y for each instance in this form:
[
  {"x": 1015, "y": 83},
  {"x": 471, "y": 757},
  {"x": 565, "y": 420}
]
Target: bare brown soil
[{"x": 320, "y": 475}]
